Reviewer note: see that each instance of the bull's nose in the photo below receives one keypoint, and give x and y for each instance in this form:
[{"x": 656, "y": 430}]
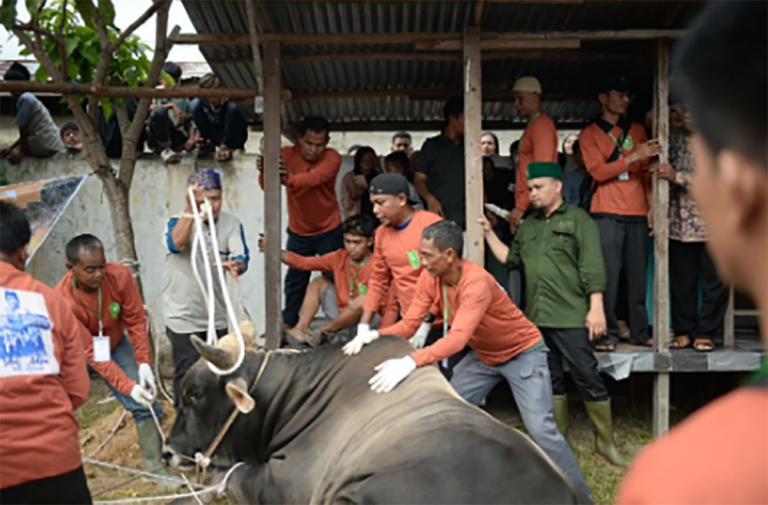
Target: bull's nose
[{"x": 167, "y": 455}]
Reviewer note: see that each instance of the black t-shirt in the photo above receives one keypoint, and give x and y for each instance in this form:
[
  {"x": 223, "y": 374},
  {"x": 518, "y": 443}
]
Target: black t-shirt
[{"x": 500, "y": 190}]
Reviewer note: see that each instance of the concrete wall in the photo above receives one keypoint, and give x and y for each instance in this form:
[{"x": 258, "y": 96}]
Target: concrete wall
[{"x": 157, "y": 193}]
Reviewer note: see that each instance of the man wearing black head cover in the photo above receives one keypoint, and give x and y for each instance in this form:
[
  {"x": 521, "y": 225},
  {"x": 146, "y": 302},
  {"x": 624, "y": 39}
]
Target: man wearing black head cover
[{"x": 38, "y": 134}]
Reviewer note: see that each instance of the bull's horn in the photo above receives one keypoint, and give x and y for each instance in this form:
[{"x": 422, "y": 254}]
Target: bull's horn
[{"x": 220, "y": 358}]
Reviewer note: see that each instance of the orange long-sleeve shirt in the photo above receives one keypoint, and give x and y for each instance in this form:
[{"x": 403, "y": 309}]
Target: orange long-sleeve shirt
[
  {"x": 40, "y": 385},
  {"x": 717, "y": 456},
  {"x": 311, "y": 191},
  {"x": 539, "y": 144},
  {"x": 346, "y": 280},
  {"x": 396, "y": 257},
  {"x": 614, "y": 196},
  {"x": 480, "y": 314},
  {"x": 122, "y": 312}
]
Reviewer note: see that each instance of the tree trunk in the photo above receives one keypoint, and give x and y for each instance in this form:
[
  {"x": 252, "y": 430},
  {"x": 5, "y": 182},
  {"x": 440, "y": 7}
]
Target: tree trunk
[{"x": 122, "y": 226}]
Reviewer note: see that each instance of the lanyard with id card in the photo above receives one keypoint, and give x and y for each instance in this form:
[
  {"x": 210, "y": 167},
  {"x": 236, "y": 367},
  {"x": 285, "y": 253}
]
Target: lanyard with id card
[
  {"x": 621, "y": 144},
  {"x": 101, "y": 344},
  {"x": 446, "y": 315}
]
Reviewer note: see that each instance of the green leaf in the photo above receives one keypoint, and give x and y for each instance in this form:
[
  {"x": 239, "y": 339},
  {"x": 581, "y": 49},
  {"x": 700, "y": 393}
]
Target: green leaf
[
  {"x": 32, "y": 7},
  {"x": 41, "y": 75},
  {"x": 87, "y": 12},
  {"x": 106, "y": 106},
  {"x": 8, "y": 13},
  {"x": 107, "y": 11},
  {"x": 71, "y": 44}
]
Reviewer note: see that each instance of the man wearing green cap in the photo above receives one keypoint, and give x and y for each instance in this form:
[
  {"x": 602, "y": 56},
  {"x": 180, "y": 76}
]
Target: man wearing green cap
[{"x": 558, "y": 246}]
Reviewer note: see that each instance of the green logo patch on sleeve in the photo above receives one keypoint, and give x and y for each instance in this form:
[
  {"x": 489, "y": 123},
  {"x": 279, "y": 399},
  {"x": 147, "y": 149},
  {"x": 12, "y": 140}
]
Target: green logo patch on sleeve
[
  {"x": 114, "y": 309},
  {"x": 414, "y": 259},
  {"x": 362, "y": 289},
  {"x": 628, "y": 143}
]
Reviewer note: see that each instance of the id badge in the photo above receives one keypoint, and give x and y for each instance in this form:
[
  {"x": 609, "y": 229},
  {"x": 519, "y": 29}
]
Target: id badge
[
  {"x": 100, "y": 349},
  {"x": 624, "y": 176}
]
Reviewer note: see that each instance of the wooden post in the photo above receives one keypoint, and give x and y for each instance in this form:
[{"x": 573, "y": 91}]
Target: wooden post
[
  {"x": 729, "y": 325},
  {"x": 661, "y": 242},
  {"x": 473, "y": 161},
  {"x": 254, "y": 39},
  {"x": 272, "y": 194}
]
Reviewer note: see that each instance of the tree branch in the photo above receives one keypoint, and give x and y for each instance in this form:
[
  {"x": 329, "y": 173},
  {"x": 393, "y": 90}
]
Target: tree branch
[
  {"x": 156, "y": 5},
  {"x": 39, "y": 53},
  {"x": 158, "y": 59},
  {"x": 30, "y": 27}
]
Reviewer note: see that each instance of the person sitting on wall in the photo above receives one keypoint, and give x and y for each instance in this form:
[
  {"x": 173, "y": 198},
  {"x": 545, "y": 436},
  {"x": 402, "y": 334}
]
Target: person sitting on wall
[
  {"x": 38, "y": 134},
  {"x": 341, "y": 300},
  {"x": 220, "y": 124},
  {"x": 169, "y": 126},
  {"x": 70, "y": 136}
]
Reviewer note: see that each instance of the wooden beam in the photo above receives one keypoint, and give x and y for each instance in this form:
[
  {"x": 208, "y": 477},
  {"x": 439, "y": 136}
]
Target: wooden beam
[
  {"x": 254, "y": 40},
  {"x": 503, "y": 95},
  {"x": 535, "y": 1},
  {"x": 314, "y": 39},
  {"x": 729, "y": 325},
  {"x": 501, "y": 44},
  {"x": 661, "y": 241},
  {"x": 479, "y": 6},
  {"x": 435, "y": 126},
  {"x": 572, "y": 56},
  {"x": 473, "y": 160},
  {"x": 272, "y": 196},
  {"x": 125, "y": 92}
]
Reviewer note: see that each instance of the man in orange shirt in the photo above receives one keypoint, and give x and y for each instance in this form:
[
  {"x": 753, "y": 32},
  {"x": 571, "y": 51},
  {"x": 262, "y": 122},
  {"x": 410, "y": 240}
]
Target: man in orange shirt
[
  {"x": 720, "y": 454},
  {"x": 314, "y": 217},
  {"x": 106, "y": 300},
  {"x": 43, "y": 380},
  {"x": 342, "y": 300},
  {"x": 538, "y": 143},
  {"x": 476, "y": 312},
  {"x": 616, "y": 153},
  {"x": 396, "y": 260}
]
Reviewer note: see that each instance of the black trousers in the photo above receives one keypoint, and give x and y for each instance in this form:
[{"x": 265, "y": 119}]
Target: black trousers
[
  {"x": 624, "y": 248},
  {"x": 573, "y": 344},
  {"x": 161, "y": 131},
  {"x": 689, "y": 264},
  {"x": 69, "y": 488},
  {"x": 184, "y": 356}
]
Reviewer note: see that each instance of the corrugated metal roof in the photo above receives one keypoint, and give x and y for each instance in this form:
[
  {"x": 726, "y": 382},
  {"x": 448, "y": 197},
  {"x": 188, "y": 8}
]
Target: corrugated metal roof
[{"x": 338, "y": 17}]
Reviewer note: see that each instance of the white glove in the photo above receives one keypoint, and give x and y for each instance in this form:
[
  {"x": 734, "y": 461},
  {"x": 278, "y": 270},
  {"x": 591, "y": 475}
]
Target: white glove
[
  {"x": 141, "y": 396},
  {"x": 418, "y": 340},
  {"x": 364, "y": 336},
  {"x": 147, "y": 379},
  {"x": 391, "y": 373}
]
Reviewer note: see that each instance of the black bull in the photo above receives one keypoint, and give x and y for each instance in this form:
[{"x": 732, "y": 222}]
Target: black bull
[{"x": 317, "y": 434}]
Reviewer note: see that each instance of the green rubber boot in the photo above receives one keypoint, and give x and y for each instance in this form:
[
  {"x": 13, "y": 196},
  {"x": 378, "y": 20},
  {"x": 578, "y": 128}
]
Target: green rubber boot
[
  {"x": 151, "y": 447},
  {"x": 560, "y": 413},
  {"x": 602, "y": 424}
]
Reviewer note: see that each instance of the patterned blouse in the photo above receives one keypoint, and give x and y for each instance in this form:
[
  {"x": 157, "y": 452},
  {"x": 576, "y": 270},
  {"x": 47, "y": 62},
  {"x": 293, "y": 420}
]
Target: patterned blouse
[{"x": 686, "y": 223}]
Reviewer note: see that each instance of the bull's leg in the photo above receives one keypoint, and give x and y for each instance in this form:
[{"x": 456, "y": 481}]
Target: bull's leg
[{"x": 253, "y": 485}]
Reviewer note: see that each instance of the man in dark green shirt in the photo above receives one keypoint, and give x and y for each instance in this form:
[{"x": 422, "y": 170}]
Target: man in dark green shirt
[{"x": 558, "y": 247}]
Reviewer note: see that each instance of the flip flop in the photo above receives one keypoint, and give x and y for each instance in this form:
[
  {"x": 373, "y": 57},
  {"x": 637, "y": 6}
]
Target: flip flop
[
  {"x": 680, "y": 342},
  {"x": 703, "y": 345}
]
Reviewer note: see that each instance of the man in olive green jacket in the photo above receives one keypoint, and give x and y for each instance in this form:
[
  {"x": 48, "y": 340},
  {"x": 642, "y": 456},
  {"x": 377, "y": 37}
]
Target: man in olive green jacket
[{"x": 558, "y": 248}]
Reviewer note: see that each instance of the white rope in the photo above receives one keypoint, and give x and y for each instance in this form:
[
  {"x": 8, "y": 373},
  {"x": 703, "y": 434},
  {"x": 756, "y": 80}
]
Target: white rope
[
  {"x": 227, "y": 300},
  {"x": 145, "y": 499},
  {"x": 200, "y": 241},
  {"x": 110, "y": 435},
  {"x": 199, "y": 237},
  {"x": 133, "y": 471}
]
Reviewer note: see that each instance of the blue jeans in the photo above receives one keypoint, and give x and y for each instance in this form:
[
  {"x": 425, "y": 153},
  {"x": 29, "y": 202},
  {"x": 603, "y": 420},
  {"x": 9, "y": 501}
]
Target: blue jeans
[
  {"x": 123, "y": 357},
  {"x": 229, "y": 126},
  {"x": 528, "y": 376},
  {"x": 296, "y": 281}
]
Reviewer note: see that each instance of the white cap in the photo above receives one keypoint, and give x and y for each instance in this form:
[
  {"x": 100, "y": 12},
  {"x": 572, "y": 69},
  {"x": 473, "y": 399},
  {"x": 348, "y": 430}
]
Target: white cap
[{"x": 528, "y": 84}]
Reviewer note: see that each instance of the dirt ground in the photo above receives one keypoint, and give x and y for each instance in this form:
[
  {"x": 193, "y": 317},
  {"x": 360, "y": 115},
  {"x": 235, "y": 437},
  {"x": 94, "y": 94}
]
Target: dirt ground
[{"x": 632, "y": 425}]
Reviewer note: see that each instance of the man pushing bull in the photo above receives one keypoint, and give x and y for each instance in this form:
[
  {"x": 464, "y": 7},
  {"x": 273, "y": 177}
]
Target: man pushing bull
[{"x": 476, "y": 312}]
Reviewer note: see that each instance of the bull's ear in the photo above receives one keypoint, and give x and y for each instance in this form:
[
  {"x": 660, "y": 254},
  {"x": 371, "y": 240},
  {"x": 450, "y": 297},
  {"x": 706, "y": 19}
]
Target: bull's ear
[{"x": 237, "y": 390}]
